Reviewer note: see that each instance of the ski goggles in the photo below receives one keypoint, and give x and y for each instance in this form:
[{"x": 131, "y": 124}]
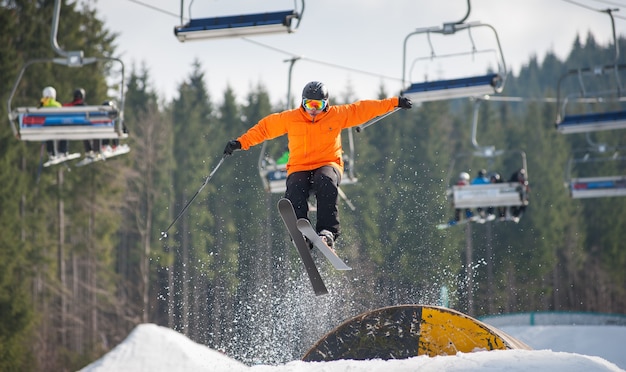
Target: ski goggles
[{"x": 314, "y": 104}]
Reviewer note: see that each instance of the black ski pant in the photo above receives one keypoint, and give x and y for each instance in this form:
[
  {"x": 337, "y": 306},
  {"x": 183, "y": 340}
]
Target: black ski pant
[
  {"x": 324, "y": 183},
  {"x": 61, "y": 147}
]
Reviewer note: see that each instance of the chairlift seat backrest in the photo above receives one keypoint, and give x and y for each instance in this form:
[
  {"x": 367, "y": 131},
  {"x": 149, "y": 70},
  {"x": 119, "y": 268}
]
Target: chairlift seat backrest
[
  {"x": 592, "y": 122},
  {"x": 239, "y": 25},
  {"x": 454, "y": 88},
  {"x": 595, "y": 187},
  {"x": 504, "y": 194},
  {"x": 70, "y": 123},
  {"x": 276, "y": 177}
]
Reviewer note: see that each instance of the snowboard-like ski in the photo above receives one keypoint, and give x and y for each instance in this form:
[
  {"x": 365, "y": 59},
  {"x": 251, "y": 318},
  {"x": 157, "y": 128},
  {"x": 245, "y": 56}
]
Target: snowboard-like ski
[
  {"x": 305, "y": 228},
  {"x": 477, "y": 219},
  {"x": 289, "y": 218},
  {"x": 61, "y": 159},
  {"x": 117, "y": 150},
  {"x": 104, "y": 155},
  {"x": 90, "y": 159}
]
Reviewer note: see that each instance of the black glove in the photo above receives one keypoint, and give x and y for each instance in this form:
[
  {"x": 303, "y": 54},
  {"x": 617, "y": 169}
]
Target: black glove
[
  {"x": 231, "y": 146},
  {"x": 404, "y": 102}
]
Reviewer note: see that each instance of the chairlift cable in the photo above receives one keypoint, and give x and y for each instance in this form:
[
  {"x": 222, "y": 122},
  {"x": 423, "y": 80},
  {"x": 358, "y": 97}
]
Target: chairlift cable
[
  {"x": 611, "y": 3},
  {"x": 582, "y": 5},
  {"x": 155, "y": 8},
  {"x": 320, "y": 62},
  {"x": 280, "y": 50},
  {"x": 591, "y": 8}
]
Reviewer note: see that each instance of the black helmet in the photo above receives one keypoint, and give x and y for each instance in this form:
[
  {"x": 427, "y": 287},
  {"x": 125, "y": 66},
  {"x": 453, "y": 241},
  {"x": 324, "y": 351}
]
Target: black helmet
[
  {"x": 482, "y": 173},
  {"x": 315, "y": 90},
  {"x": 79, "y": 93},
  {"x": 495, "y": 177}
]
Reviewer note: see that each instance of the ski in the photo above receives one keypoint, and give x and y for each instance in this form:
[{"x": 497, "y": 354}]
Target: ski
[
  {"x": 289, "y": 218},
  {"x": 305, "y": 228},
  {"x": 61, "y": 159},
  {"x": 90, "y": 159},
  {"x": 115, "y": 151},
  {"x": 476, "y": 219},
  {"x": 104, "y": 155}
]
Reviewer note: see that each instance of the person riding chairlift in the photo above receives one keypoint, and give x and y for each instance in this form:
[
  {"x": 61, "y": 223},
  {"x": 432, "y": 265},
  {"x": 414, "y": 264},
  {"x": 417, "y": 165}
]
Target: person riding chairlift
[{"x": 55, "y": 149}]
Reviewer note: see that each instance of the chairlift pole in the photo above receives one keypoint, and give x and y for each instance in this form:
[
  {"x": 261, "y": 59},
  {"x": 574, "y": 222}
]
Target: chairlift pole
[
  {"x": 469, "y": 269},
  {"x": 475, "y": 123},
  {"x": 55, "y": 27},
  {"x": 469, "y": 10},
  {"x": 490, "y": 281},
  {"x": 73, "y": 58},
  {"x": 182, "y": 9},
  {"x": 616, "y": 47},
  {"x": 292, "y": 62},
  {"x": 486, "y": 151}
]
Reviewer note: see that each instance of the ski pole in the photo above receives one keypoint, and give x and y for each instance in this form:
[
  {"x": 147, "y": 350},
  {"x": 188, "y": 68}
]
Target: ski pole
[
  {"x": 164, "y": 233},
  {"x": 376, "y": 119}
]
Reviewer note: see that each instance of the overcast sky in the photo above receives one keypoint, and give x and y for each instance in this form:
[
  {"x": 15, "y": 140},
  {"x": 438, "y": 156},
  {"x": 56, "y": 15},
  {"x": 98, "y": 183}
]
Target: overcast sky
[{"x": 348, "y": 42}]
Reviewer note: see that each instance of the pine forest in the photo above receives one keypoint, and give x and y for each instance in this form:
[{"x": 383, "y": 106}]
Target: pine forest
[{"x": 82, "y": 262}]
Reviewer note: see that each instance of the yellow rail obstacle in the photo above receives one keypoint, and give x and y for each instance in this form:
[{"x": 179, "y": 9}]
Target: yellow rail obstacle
[{"x": 405, "y": 331}]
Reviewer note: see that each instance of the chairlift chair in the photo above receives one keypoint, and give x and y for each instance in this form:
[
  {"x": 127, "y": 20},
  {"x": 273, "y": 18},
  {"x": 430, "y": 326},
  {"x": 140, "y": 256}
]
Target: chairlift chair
[
  {"x": 604, "y": 116},
  {"x": 597, "y": 187},
  {"x": 505, "y": 194},
  {"x": 472, "y": 86},
  {"x": 585, "y": 178},
  {"x": 598, "y": 120},
  {"x": 239, "y": 25},
  {"x": 493, "y": 195},
  {"x": 67, "y": 123}
]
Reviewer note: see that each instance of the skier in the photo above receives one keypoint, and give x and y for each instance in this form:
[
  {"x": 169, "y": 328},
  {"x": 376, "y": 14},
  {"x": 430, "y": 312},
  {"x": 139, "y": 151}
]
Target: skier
[
  {"x": 495, "y": 177},
  {"x": 463, "y": 180},
  {"x": 59, "y": 149},
  {"x": 315, "y": 154},
  {"x": 91, "y": 147},
  {"x": 481, "y": 179},
  {"x": 520, "y": 176}
]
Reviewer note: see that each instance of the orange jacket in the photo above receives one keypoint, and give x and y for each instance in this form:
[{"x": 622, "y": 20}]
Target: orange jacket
[{"x": 314, "y": 143}]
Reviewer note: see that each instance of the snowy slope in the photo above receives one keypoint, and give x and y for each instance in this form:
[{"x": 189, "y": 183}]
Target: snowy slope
[{"x": 153, "y": 348}]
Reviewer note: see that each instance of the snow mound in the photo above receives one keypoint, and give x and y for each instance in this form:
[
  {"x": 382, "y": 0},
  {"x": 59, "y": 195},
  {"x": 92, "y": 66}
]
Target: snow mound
[
  {"x": 493, "y": 361},
  {"x": 150, "y": 347}
]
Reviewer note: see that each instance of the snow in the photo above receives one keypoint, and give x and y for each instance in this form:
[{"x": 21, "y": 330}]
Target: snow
[{"x": 153, "y": 348}]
